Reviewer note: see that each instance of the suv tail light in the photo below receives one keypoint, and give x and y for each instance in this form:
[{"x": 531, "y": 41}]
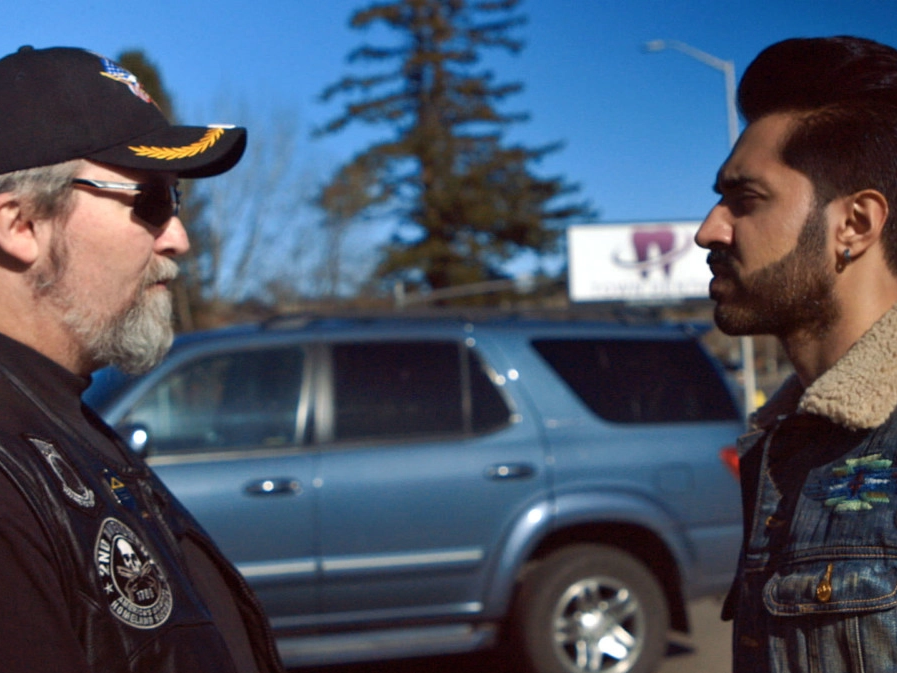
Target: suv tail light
[{"x": 729, "y": 456}]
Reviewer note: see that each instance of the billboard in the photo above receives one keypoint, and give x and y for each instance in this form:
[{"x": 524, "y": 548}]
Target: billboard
[{"x": 646, "y": 261}]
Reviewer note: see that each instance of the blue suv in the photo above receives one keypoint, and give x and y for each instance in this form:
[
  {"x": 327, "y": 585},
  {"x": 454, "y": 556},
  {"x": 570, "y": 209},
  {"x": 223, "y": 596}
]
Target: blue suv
[{"x": 398, "y": 487}]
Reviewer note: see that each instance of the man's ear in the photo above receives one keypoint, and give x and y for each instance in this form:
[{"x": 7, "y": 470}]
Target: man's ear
[
  {"x": 863, "y": 219},
  {"x": 18, "y": 243}
]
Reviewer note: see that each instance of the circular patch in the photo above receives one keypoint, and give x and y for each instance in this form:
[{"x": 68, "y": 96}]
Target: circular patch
[
  {"x": 72, "y": 486},
  {"x": 135, "y": 586}
]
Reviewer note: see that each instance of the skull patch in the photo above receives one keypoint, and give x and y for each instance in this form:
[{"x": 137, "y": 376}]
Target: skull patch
[{"x": 133, "y": 583}]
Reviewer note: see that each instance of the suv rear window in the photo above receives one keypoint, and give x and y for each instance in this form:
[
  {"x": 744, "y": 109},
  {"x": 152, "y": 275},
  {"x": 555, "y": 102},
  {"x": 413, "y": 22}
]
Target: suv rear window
[
  {"x": 404, "y": 388},
  {"x": 641, "y": 381}
]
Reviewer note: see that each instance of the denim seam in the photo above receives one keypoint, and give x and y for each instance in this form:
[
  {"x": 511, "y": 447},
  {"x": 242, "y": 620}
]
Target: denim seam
[{"x": 831, "y": 607}]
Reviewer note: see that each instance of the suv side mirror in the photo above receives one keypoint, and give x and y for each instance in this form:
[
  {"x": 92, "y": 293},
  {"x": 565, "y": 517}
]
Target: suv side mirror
[{"x": 136, "y": 436}]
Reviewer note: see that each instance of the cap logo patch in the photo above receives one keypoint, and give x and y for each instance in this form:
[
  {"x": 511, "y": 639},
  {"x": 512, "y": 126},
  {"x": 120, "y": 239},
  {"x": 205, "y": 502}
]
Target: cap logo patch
[
  {"x": 134, "y": 584},
  {"x": 212, "y": 136},
  {"x": 114, "y": 71}
]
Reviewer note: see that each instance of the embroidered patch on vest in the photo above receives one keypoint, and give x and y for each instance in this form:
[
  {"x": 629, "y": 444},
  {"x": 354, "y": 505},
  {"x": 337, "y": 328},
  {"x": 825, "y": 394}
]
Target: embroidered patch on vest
[
  {"x": 72, "y": 486},
  {"x": 857, "y": 485},
  {"x": 119, "y": 490},
  {"x": 135, "y": 586}
]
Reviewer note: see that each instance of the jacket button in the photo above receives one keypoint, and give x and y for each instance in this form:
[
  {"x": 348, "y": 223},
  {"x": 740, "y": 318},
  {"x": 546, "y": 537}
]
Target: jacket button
[{"x": 824, "y": 588}]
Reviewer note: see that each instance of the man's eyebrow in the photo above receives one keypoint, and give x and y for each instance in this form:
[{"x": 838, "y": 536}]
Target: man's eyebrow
[{"x": 733, "y": 182}]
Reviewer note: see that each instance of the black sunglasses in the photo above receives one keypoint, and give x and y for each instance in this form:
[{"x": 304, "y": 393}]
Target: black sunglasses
[{"x": 155, "y": 203}]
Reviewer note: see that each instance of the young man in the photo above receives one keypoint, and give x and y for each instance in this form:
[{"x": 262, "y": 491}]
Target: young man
[
  {"x": 803, "y": 245},
  {"x": 101, "y": 569}
]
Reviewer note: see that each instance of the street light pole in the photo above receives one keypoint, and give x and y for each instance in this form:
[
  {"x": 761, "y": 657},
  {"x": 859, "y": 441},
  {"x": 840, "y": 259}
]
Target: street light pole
[
  {"x": 726, "y": 67},
  {"x": 728, "y": 70}
]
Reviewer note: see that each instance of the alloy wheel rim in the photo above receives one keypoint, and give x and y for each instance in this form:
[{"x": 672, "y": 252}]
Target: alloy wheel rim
[{"x": 599, "y": 625}]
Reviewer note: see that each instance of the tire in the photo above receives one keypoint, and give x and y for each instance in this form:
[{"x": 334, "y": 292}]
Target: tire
[{"x": 591, "y": 608}]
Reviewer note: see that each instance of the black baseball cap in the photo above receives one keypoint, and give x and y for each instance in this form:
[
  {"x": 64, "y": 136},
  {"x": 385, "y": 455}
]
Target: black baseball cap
[{"x": 64, "y": 103}]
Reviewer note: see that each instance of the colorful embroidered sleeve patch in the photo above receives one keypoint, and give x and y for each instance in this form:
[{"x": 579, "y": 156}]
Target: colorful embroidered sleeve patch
[{"x": 857, "y": 485}]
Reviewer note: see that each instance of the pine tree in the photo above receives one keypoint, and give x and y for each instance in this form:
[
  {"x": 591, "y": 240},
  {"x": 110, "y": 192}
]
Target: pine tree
[{"x": 467, "y": 202}]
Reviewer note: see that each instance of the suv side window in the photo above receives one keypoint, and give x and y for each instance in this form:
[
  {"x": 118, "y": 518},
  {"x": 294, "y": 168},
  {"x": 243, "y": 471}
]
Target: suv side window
[
  {"x": 641, "y": 381},
  {"x": 224, "y": 400},
  {"x": 412, "y": 388}
]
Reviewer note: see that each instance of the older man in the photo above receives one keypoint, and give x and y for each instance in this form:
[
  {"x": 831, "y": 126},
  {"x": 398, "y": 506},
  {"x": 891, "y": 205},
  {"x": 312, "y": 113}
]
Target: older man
[
  {"x": 101, "y": 569},
  {"x": 803, "y": 245}
]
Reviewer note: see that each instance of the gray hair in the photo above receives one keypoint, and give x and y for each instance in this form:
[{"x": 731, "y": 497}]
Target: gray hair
[{"x": 45, "y": 191}]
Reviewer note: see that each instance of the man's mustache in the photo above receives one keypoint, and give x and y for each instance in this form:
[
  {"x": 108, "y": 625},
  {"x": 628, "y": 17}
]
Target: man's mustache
[
  {"x": 163, "y": 271},
  {"x": 719, "y": 259}
]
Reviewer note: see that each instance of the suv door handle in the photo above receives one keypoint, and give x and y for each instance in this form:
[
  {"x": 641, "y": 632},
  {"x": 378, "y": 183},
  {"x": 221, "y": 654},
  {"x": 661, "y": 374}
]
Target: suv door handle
[
  {"x": 510, "y": 471},
  {"x": 274, "y": 487}
]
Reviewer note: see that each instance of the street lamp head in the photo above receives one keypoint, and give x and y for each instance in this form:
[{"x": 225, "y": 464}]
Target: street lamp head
[{"x": 654, "y": 45}]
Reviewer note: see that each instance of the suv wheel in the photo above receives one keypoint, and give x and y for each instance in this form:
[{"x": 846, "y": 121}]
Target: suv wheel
[{"x": 592, "y": 608}]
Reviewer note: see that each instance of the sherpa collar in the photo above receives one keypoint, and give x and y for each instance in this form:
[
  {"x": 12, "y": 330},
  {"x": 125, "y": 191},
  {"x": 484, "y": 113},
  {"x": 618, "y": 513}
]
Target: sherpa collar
[{"x": 858, "y": 392}]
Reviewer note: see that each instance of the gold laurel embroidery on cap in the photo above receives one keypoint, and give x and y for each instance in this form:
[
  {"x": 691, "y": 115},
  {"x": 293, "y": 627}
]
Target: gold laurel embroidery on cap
[{"x": 170, "y": 153}]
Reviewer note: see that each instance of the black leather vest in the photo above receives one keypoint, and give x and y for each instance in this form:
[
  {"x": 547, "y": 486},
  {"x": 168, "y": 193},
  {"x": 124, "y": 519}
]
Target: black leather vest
[{"x": 116, "y": 535}]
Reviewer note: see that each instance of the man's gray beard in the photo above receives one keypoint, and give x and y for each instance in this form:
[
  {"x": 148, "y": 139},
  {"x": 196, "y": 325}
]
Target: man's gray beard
[{"x": 134, "y": 340}]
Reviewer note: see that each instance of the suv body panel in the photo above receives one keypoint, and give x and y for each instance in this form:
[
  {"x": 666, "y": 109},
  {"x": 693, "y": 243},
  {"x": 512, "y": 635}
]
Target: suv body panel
[{"x": 426, "y": 537}]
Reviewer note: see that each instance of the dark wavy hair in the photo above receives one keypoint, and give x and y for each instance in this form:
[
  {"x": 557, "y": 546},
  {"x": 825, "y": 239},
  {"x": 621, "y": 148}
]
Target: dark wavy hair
[{"x": 843, "y": 93}]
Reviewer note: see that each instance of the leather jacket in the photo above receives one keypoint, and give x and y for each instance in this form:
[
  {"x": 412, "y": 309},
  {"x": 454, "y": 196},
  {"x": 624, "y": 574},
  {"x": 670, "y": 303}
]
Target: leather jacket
[
  {"x": 816, "y": 588},
  {"x": 117, "y": 537}
]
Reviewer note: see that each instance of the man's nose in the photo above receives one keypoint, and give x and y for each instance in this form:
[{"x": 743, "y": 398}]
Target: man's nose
[
  {"x": 173, "y": 240},
  {"x": 715, "y": 229}
]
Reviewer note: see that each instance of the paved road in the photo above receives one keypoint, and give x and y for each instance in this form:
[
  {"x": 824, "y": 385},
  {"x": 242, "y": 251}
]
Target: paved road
[{"x": 706, "y": 650}]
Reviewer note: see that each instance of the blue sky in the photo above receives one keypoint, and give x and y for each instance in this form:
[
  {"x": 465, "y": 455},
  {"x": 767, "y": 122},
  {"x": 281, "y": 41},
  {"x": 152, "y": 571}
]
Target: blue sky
[{"x": 643, "y": 133}]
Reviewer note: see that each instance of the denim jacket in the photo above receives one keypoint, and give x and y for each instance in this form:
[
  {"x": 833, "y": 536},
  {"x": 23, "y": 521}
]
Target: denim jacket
[{"x": 816, "y": 589}]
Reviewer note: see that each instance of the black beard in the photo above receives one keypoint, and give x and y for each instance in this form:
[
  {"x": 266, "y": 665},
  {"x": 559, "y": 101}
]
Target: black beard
[{"x": 789, "y": 296}]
